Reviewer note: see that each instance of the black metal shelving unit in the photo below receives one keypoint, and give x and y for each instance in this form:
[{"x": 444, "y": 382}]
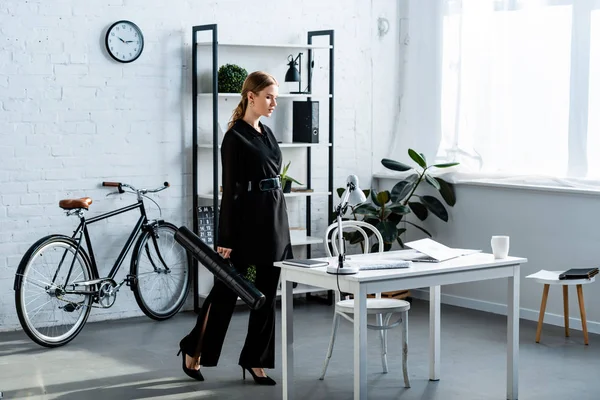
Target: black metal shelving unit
[{"x": 212, "y": 28}]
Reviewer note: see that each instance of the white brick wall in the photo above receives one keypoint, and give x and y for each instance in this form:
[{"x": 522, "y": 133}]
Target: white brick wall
[{"x": 71, "y": 117}]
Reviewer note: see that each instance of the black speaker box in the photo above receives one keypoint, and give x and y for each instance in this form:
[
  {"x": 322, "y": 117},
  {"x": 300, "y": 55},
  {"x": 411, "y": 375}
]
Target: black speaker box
[{"x": 306, "y": 122}]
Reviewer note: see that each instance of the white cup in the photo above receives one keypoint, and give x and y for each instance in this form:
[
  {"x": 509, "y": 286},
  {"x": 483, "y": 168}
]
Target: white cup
[{"x": 500, "y": 245}]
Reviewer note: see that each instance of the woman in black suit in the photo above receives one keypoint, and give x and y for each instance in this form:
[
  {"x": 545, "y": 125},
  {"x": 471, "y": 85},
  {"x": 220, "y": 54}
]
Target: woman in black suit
[{"x": 253, "y": 230}]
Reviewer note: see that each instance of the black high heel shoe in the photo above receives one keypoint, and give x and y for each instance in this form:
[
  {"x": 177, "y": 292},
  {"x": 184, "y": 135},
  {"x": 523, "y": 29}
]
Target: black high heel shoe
[
  {"x": 192, "y": 373},
  {"x": 259, "y": 380}
]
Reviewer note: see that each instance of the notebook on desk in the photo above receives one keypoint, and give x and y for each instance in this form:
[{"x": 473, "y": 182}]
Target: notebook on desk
[
  {"x": 427, "y": 250},
  {"x": 306, "y": 263},
  {"x": 385, "y": 264}
]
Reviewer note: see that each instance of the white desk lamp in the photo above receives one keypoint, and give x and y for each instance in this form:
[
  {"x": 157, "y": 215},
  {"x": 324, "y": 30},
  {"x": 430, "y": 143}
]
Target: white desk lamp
[{"x": 351, "y": 196}]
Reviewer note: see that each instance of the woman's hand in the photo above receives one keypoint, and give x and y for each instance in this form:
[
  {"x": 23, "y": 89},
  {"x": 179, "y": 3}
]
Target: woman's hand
[{"x": 223, "y": 251}]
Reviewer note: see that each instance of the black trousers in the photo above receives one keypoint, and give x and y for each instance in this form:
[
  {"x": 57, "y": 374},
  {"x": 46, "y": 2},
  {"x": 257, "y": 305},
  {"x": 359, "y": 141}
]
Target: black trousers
[{"x": 259, "y": 348}]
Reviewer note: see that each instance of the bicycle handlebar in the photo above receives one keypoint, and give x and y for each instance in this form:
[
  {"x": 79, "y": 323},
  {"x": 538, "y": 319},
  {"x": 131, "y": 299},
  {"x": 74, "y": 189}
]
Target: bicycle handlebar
[
  {"x": 114, "y": 184},
  {"x": 139, "y": 191}
]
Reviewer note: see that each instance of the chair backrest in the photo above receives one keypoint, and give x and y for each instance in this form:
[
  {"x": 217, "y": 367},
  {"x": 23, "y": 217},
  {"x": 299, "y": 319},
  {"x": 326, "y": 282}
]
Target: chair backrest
[
  {"x": 350, "y": 225},
  {"x": 331, "y": 239}
]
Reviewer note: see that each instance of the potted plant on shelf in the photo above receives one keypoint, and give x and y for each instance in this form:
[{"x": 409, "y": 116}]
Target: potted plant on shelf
[
  {"x": 388, "y": 208},
  {"x": 231, "y": 77},
  {"x": 286, "y": 180}
]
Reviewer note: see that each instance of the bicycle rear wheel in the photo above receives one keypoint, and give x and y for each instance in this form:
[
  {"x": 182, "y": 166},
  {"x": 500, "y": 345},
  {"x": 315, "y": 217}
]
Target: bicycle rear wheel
[
  {"x": 48, "y": 315},
  {"x": 161, "y": 270}
]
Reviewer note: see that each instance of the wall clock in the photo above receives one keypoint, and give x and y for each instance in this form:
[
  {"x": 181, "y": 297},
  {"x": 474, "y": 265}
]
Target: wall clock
[{"x": 124, "y": 41}]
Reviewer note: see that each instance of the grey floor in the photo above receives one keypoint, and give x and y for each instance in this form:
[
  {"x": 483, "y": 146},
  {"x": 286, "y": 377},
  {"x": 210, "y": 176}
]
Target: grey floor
[{"x": 135, "y": 359}]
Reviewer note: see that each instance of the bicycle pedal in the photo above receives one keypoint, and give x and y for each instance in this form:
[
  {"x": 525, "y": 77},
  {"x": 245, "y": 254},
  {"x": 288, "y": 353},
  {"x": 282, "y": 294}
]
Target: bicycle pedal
[
  {"x": 130, "y": 279},
  {"x": 70, "y": 307}
]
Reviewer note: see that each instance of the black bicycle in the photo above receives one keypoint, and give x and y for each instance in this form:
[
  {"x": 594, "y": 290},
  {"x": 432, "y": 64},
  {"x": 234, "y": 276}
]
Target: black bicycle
[{"x": 57, "y": 282}]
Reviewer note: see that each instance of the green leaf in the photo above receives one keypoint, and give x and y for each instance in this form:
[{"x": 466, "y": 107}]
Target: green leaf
[
  {"x": 340, "y": 192},
  {"x": 417, "y": 158},
  {"x": 399, "y": 240},
  {"x": 423, "y": 156},
  {"x": 436, "y": 207},
  {"x": 386, "y": 213},
  {"x": 447, "y": 191},
  {"x": 432, "y": 181},
  {"x": 251, "y": 273},
  {"x": 383, "y": 197},
  {"x": 420, "y": 228},
  {"x": 399, "y": 209},
  {"x": 445, "y": 165},
  {"x": 367, "y": 193},
  {"x": 285, "y": 177},
  {"x": 365, "y": 207},
  {"x": 395, "y": 218},
  {"x": 367, "y": 210},
  {"x": 374, "y": 198},
  {"x": 395, "y": 165},
  {"x": 375, "y": 247},
  {"x": 372, "y": 221},
  {"x": 289, "y": 178},
  {"x": 388, "y": 230},
  {"x": 403, "y": 188},
  {"x": 354, "y": 237},
  {"x": 418, "y": 209}
]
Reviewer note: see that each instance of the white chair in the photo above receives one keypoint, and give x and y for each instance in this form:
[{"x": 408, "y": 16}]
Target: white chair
[{"x": 382, "y": 308}]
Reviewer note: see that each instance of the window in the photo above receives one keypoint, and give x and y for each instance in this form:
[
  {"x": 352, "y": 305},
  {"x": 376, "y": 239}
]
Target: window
[{"x": 521, "y": 86}]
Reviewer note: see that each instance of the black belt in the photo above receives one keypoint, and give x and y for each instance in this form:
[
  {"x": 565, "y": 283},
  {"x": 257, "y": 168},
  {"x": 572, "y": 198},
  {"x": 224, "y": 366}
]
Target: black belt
[{"x": 264, "y": 185}]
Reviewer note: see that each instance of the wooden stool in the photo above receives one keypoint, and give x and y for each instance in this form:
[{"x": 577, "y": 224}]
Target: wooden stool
[{"x": 551, "y": 278}]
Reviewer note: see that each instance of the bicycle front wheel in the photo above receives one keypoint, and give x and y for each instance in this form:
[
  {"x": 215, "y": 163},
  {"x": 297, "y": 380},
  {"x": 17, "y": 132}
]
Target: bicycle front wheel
[
  {"x": 161, "y": 272},
  {"x": 50, "y": 315}
]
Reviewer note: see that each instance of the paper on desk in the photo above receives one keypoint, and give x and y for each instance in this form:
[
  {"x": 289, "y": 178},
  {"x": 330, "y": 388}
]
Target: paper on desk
[
  {"x": 543, "y": 274},
  {"x": 437, "y": 250}
]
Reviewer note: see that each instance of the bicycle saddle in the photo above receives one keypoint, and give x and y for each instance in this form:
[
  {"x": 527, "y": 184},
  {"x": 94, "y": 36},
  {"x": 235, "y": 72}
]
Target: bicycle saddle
[{"x": 71, "y": 204}]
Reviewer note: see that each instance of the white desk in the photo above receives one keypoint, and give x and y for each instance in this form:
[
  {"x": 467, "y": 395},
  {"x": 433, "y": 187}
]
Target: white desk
[{"x": 475, "y": 267}]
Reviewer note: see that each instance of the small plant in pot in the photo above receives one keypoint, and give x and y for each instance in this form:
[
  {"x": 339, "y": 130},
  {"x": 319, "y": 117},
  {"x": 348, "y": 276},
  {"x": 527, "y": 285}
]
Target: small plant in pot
[
  {"x": 231, "y": 77},
  {"x": 286, "y": 180}
]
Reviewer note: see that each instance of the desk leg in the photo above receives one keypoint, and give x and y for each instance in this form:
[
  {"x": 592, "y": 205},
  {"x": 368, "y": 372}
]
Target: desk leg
[
  {"x": 287, "y": 337},
  {"x": 434, "y": 333},
  {"x": 512, "y": 367},
  {"x": 360, "y": 343}
]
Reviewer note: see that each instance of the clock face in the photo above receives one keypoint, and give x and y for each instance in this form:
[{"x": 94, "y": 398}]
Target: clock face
[{"x": 124, "y": 41}]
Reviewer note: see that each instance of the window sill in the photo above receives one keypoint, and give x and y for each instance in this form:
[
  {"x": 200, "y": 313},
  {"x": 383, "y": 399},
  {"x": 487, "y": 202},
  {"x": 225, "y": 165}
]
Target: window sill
[{"x": 538, "y": 183}]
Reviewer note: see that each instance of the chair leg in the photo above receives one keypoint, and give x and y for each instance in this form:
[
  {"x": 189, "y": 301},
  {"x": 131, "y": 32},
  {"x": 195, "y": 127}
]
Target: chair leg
[
  {"x": 582, "y": 311},
  {"x": 405, "y": 348},
  {"x": 336, "y": 324},
  {"x": 566, "y": 308},
  {"x": 382, "y": 336},
  {"x": 538, "y": 334}
]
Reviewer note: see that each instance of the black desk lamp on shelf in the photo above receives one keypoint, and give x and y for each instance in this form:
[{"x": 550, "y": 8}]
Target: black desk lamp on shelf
[{"x": 294, "y": 74}]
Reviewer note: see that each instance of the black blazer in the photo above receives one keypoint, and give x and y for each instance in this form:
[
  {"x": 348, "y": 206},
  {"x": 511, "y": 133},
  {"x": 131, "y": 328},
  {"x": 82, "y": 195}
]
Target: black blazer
[{"x": 254, "y": 224}]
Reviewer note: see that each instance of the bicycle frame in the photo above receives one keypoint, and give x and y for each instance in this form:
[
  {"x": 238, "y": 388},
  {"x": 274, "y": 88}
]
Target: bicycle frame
[{"x": 143, "y": 220}]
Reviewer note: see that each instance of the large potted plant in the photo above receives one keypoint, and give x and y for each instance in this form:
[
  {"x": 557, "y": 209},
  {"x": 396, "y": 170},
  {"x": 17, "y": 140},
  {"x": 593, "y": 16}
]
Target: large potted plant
[{"x": 388, "y": 208}]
